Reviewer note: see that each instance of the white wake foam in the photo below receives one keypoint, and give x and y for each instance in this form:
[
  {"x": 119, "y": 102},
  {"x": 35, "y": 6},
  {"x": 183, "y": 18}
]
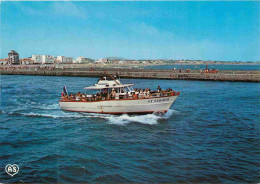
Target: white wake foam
[
  {"x": 57, "y": 115},
  {"x": 31, "y": 104},
  {"x": 169, "y": 113},
  {"x": 150, "y": 119},
  {"x": 51, "y": 106},
  {"x": 62, "y": 114}
]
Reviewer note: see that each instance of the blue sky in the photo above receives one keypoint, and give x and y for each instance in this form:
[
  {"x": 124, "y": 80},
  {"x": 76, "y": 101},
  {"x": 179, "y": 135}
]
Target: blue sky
[{"x": 134, "y": 30}]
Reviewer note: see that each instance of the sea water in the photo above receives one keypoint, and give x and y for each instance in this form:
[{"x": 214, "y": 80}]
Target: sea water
[
  {"x": 210, "y": 134},
  {"x": 243, "y": 67}
]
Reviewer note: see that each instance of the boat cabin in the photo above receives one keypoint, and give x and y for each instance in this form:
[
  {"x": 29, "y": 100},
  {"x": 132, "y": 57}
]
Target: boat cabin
[{"x": 108, "y": 84}]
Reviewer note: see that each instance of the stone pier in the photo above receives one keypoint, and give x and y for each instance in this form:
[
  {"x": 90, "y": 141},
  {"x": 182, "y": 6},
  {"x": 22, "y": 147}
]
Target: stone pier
[{"x": 224, "y": 75}]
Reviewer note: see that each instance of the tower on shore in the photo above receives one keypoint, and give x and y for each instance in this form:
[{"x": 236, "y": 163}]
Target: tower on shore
[{"x": 13, "y": 58}]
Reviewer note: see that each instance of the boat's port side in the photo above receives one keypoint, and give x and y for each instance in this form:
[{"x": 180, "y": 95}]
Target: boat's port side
[
  {"x": 113, "y": 97},
  {"x": 94, "y": 98},
  {"x": 135, "y": 106}
]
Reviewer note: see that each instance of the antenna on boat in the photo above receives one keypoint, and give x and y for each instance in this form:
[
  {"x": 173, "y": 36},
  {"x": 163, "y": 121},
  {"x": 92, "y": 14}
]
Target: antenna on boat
[
  {"x": 106, "y": 73},
  {"x": 113, "y": 79}
]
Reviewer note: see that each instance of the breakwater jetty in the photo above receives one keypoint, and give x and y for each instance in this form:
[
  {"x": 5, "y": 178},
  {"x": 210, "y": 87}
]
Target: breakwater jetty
[{"x": 223, "y": 75}]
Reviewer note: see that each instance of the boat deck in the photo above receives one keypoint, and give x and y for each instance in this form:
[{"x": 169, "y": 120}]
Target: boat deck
[{"x": 94, "y": 98}]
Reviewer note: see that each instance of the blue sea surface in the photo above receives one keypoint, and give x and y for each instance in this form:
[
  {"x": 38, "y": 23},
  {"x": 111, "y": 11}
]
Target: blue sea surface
[
  {"x": 198, "y": 67},
  {"x": 210, "y": 134}
]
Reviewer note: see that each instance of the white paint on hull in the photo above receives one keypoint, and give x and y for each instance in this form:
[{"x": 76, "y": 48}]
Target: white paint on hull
[{"x": 149, "y": 105}]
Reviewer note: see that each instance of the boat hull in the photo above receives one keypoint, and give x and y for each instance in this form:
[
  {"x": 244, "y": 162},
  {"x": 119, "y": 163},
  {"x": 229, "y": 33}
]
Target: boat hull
[{"x": 129, "y": 106}]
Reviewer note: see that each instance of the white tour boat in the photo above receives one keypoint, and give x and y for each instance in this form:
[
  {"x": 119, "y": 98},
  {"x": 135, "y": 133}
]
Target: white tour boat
[{"x": 113, "y": 97}]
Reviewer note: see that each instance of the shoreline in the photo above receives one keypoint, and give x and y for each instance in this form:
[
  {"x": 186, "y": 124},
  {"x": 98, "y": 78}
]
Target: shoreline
[{"x": 126, "y": 65}]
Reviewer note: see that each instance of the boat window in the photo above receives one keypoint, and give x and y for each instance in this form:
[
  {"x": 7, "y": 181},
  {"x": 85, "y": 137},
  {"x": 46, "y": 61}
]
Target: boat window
[{"x": 124, "y": 90}]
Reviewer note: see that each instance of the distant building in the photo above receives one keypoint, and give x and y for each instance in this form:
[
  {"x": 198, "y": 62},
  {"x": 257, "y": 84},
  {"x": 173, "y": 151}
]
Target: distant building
[
  {"x": 131, "y": 62},
  {"x": 57, "y": 61},
  {"x": 81, "y": 59},
  {"x": 37, "y": 59},
  {"x": 64, "y": 59},
  {"x": 158, "y": 61},
  {"x": 103, "y": 60},
  {"x": 4, "y": 61},
  {"x": 43, "y": 59},
  {"x": 13, "y": 58},
  {"x": 48, "y": 59},
  {"x": 115, "y": 62},
  {"x": 26, "y": 61}
]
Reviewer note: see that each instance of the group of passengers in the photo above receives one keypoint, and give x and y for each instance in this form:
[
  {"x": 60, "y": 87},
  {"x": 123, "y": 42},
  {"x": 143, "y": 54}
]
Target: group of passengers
[{"x": 105, "y": 95}]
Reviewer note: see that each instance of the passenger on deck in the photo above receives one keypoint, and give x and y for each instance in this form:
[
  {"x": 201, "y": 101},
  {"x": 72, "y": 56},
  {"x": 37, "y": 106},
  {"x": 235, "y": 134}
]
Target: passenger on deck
[
  {"x": 98, "y": 96},
  {"x": 135, "y": 96},
  {"x": 127, "y": 95},
  {"x": 159, "y": 89},
  {"x": 131, "y": 95},
  {"x": 77, "y": 98},
  {"x": 103, "y": 95},
  {"x": 113, "y": 94},
  {"x": 144, "y": 92},
  {"x": 71, "y": 96},
  {"x": 92, "y": 98},
  {"x": 147, "y": 92}
]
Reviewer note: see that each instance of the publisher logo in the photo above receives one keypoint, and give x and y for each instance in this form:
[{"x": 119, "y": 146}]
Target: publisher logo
[{"x": 11, "y": 169}]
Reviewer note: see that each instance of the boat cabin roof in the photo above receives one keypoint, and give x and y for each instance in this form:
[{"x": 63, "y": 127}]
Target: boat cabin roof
[
  {"x": 104, "y": 87},
  {"x": 103, "y": 83}
]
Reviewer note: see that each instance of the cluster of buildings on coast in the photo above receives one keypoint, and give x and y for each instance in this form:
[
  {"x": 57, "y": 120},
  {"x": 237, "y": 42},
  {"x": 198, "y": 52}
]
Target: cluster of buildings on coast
[{"x": 13, "y": 59}]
